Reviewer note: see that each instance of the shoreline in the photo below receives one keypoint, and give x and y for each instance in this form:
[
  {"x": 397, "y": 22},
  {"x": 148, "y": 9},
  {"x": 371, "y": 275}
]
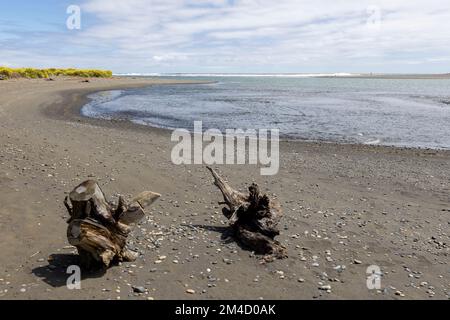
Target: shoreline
[
  {"x": 377, "y": 205},
  {"x": 385, "y": 76},
  {"x": 73, "y": 113}
]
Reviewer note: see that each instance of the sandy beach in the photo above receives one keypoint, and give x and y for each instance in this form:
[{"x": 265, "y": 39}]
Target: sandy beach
[{"x": 346, "y": 207}]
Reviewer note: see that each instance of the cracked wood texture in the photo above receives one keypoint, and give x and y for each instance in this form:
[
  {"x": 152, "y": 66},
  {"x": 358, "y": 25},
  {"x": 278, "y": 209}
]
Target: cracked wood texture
[
  {"x": 253, "y": 218},
  {"x": 98, "y": 229}
]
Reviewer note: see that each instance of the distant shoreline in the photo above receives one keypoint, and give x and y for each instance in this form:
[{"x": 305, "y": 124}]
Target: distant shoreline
[
  {"x": 403, "y": 76},
  {"x": 291, "y": 75}
]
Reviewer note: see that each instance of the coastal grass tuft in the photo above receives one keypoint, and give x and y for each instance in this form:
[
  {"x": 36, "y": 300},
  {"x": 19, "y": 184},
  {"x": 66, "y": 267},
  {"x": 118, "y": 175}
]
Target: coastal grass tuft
[{"x": 31, "y": 73}]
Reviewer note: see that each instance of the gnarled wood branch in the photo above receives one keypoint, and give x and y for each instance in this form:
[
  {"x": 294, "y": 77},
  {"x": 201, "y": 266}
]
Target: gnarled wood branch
[
  {"x": 254, "y": 218},
  {"x": 97, "y": 229}
]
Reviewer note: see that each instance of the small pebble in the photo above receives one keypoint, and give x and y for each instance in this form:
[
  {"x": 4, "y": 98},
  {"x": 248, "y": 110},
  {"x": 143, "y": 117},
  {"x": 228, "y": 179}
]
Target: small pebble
[
  {"x": 399, "y": 293},
  {"x": 138, "y": 289}
]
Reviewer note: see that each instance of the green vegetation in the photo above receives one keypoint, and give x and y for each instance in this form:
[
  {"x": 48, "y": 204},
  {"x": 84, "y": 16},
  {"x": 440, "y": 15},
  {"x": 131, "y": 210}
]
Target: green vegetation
[{"x": 32, "y": 73}]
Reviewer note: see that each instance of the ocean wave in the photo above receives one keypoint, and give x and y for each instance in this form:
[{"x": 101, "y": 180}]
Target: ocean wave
[
  {"x": 132, "y": 74},
  {"x": 91, "y": 109},
  {"x": 373, "y": 142}
]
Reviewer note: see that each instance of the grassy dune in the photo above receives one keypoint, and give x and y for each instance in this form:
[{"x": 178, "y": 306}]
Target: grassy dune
[{"x": 31, "y": 73}]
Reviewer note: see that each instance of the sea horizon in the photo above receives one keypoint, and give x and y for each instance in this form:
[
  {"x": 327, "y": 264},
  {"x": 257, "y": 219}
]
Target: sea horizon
[{"x": 279, "y": 74}]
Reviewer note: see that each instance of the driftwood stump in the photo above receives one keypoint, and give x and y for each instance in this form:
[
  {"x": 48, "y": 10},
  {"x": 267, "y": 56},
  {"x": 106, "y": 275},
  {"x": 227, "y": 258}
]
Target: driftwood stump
[
  {"x": 97, "y": 229},
  {"x": 253, "y": 218}
]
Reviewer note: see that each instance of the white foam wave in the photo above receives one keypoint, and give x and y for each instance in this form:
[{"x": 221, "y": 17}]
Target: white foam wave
[{"x": 373, "y": 142}]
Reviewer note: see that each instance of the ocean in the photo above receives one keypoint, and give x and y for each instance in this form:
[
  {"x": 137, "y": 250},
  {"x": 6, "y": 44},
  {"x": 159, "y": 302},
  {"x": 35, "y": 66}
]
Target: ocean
[{"x": 395, "y": 112}]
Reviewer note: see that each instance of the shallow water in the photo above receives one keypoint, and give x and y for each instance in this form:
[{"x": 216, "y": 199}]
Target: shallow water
[{"x": 398, "y": 112}]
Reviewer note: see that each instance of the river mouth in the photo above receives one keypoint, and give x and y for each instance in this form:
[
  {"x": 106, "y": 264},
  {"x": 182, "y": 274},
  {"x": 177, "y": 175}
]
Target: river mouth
[{"x": 395, "y": 112}]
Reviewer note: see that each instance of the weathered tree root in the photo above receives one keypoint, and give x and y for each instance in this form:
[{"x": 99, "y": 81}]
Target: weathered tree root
[
  {"x": 98, "y": 230},
  {"x": 253, "y": 218}
]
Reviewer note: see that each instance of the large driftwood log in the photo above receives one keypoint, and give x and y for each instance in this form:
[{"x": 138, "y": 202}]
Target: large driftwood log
[
  {"x": 253, "y": 218},
  {"x": 97, "y": 229}
]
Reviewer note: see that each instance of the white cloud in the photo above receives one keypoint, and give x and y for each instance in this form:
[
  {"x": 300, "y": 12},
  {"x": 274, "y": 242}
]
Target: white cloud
[{"x": 266, "y": 35}]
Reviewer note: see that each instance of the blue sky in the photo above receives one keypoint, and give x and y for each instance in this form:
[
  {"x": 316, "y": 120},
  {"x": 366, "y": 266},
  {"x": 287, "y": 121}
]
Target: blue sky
[{"x": 239, "y": 36}]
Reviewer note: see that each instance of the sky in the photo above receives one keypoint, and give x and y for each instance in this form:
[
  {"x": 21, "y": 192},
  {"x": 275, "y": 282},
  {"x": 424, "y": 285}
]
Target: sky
[{"x": 229, "y": 36}]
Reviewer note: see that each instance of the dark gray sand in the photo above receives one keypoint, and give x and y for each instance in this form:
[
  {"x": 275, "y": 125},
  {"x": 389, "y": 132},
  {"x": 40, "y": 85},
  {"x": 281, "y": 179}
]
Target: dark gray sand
[{"x": 346, "y": 207}]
